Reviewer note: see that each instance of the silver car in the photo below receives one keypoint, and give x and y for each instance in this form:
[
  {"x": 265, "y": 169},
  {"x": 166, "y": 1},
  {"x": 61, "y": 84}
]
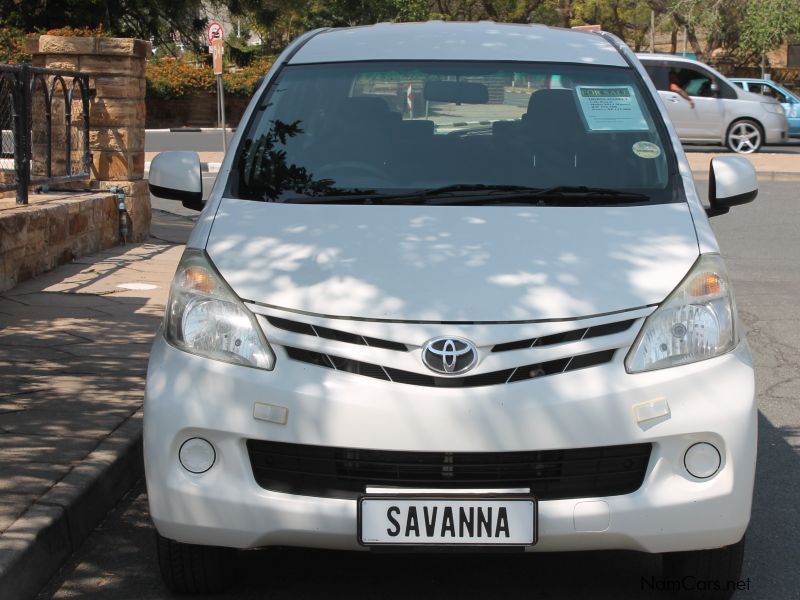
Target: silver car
[{"x": 707, "y": 108}]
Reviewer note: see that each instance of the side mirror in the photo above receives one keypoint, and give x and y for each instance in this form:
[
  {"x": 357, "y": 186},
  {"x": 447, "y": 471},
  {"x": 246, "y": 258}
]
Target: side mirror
[
  {"x": 176, "y": 176},
  {"x": 715, "y": 89},
  {"x": 732, "y": 181}
]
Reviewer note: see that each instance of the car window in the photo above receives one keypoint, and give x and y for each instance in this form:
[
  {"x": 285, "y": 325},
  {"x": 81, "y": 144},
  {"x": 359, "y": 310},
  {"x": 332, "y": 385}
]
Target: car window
[
  {"x": 659, "y": 75},
  {"x": 384, "y": 128},
  {"x": 767, "y": 90},
  {"x": 740, "y": 84},
  {"x": 694, "y": 81}
]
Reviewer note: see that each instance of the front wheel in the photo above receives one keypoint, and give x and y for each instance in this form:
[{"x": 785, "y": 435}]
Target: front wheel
[
  {"x": 744, "y": 136},
  {"x": 193, "y": 569},
  {"x": 705, "y": 574}
]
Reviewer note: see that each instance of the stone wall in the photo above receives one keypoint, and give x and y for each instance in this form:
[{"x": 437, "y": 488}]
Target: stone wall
[
  {"x": 53, "y": 230},
  {"x": 197, "y": 110},
  {"x": 57, "y": 228},
  {"x": 116, "y": 111}
]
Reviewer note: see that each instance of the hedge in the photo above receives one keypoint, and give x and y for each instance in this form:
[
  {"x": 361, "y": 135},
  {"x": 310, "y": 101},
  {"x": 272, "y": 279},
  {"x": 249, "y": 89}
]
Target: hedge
[
  {"x": 173, "y": 78},
  {"x": 166, "y": 77}
]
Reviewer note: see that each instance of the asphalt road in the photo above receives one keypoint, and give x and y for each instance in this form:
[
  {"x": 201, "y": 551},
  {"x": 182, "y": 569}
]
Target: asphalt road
[
  {"x": 761, "y": 245},
  {"x": 199, "y": 141},
  {"x": 211, "y": 141}
]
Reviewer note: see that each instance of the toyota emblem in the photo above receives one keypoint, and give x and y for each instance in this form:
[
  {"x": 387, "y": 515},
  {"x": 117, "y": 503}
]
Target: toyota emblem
[{"x": 449, "y": 355}]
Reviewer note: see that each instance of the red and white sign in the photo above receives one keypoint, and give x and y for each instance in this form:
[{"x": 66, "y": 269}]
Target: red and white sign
[{"x": 215, "y": 31}]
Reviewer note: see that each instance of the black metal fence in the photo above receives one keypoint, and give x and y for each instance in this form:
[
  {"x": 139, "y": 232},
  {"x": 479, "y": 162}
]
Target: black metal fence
[{"x": 44, "y": 127}]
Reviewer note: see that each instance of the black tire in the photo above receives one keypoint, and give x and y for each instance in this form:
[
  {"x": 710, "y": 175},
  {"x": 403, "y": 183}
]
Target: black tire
[
  {"x": 192, "y": 569},
  {"x": 745, "y": 136},
  {"x": 719, "y": 570}
]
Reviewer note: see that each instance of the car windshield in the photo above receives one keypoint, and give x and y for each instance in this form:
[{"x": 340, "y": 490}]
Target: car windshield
[{"x": 394, "y": 132}]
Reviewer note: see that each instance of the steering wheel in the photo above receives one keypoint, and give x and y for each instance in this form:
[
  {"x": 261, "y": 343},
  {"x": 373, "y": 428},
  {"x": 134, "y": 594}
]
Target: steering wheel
[{"x": 354, "y": 166}]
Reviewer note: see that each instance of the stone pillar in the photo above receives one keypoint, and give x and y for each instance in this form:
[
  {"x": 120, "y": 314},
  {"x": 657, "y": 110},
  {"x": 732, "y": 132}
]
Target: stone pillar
[{"x": 116, "y": 112}]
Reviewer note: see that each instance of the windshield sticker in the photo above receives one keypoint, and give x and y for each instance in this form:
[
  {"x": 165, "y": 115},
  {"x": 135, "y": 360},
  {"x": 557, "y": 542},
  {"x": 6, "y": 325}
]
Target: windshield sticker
[
  {"x": 646, "y": 150},
  {"x": 611, "y": 108}
]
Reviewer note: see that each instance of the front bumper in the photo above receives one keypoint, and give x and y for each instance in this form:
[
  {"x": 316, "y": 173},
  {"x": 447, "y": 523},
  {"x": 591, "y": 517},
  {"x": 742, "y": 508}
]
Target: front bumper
[
  {"x": 712, "y": 401},
  {"x": 776, "y": 129}
]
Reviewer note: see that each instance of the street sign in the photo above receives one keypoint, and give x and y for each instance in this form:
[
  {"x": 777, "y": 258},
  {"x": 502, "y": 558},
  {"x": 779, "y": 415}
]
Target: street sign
[
  {"x": 215, "y": 31},
  {"x": 217, "y": 49}
]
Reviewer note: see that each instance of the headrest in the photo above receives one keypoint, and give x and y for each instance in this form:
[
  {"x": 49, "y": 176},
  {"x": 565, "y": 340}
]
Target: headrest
[{"x": 364, "y": 107}]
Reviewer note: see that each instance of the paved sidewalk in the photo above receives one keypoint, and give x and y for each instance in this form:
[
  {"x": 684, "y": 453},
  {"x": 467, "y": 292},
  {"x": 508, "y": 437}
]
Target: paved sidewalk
[{"x": 73, "y": 353}]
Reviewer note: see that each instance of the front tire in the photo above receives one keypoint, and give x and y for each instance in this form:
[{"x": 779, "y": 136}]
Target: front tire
[
  {"x": 193, "y": 569},
  {"x": 744, "y": 136},
  {"x": 705, "y": 574}
]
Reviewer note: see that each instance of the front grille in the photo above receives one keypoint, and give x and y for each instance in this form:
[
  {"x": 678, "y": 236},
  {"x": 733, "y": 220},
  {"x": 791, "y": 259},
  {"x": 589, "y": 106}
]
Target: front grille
[
  {"x": 334, "y": 334},
  {"x": 550, "y": 474},
  {"x": 512, "y": 375},
  {"x": 567, "y": 336}
]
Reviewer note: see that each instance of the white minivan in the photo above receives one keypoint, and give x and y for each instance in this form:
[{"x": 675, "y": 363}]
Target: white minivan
[
  {"x": 453, "y": 287},
  {"x": 707, "y": 108}
]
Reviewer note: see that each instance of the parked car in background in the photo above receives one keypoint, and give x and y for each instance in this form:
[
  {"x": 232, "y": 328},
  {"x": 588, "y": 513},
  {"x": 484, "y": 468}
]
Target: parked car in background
[
  {"x": 719, "y": 111},
  {"x": 789, "y": 100},
  {"x": 486, "y": 323}
]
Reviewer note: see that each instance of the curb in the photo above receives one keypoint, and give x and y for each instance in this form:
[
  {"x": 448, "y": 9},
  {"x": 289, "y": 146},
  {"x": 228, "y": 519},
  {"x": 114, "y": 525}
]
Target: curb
[
  {"x": 205, "y": 167},
  {"x": 191, "y": 130},
  {"x": 37, "y": 544},
  {"x": 761, "y": 175}
]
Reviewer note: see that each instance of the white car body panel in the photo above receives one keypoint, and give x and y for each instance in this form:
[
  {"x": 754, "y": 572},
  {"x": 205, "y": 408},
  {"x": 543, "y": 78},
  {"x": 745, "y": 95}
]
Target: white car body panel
[
  {"x": 580, "y": 409},
  {"x": 452, "y": 263},
  {"x": 439, "y": 40}
]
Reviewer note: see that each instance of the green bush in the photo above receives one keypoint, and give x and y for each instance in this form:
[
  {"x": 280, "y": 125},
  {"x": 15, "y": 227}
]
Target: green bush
[
  {"x": 12, "y": 46},
  {"x": 172, "y": 78}
]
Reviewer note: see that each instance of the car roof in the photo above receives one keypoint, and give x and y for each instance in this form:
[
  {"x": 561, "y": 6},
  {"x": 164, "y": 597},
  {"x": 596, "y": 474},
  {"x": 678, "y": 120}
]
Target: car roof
[
  {"x": 755, "y": 80},
  {"x": 439, "y": 40},
  {"x": 669, "y": 58}
]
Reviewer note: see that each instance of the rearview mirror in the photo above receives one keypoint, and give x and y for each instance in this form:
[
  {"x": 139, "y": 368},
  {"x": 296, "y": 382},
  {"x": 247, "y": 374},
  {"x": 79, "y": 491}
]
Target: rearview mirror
[
  {"x": 732, "y": 181},
  {"x": 459, "y": 92},
  {"x": 176, "y": 176}
]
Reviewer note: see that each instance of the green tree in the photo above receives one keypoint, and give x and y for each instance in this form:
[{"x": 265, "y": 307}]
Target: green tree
[
  {"x": 134, "y": 18},
  {"x": 766, "y": 25}
]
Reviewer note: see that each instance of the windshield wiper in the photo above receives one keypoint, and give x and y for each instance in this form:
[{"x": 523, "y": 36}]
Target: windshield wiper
[
  {"x": 343, "y": 196},
  {"x": 474, "y": 193},
  {"x": 566, "y": 193}
]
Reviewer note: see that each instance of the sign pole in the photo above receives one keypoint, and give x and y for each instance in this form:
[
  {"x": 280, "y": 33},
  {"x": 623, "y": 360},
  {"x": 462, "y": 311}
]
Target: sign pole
[
  {"x": 216, "y": 51},
  {"x": 221, "y": 96}
]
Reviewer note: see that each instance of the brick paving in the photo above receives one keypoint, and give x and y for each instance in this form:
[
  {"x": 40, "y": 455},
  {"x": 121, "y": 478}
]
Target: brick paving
[{"x": 74, "y": 345}]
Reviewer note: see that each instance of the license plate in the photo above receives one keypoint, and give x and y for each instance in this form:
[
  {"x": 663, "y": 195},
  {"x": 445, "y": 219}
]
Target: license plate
[{"x": 446, "y": 521}]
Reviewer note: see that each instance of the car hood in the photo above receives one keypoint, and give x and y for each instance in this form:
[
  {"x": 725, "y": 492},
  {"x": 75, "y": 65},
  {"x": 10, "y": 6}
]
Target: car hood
[
  {"x": 452, "y": 263},
  {"x": 753, "y": 97}
]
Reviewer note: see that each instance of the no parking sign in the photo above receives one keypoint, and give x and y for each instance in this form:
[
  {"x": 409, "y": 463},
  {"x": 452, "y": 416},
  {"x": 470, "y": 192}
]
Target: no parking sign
[{"x": 215, "y": 31}]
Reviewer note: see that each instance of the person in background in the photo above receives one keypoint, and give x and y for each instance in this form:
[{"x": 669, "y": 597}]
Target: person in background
[{"x": 675, "y": 86}]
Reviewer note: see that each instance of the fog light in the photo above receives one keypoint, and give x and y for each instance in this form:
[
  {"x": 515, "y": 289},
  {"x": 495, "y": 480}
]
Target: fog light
[
  {"x": 197, "y": 455},
  {"x": 702, "y": 460}
]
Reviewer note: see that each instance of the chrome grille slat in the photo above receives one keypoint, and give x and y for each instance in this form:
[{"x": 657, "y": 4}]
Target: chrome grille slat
[
  {"x": 511, "y": 375},
  {"x": 349, "y": 346}
]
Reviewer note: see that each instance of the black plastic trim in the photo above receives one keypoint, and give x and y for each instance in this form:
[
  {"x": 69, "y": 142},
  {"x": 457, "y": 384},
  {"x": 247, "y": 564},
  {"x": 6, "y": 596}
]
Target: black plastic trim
[{"x": 173, "y": 194}]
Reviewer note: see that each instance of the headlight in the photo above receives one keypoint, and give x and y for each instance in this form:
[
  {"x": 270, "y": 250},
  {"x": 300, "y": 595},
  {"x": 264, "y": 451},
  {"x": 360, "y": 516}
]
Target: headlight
[
  {"x": 206, "y": 318},
  {"x": 694, "y": 323},
  {"x": 773, "y": 107}
]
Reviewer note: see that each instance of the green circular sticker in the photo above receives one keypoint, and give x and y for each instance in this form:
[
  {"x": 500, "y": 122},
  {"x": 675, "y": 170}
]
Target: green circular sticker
[{"x": 646, "y": 150}]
